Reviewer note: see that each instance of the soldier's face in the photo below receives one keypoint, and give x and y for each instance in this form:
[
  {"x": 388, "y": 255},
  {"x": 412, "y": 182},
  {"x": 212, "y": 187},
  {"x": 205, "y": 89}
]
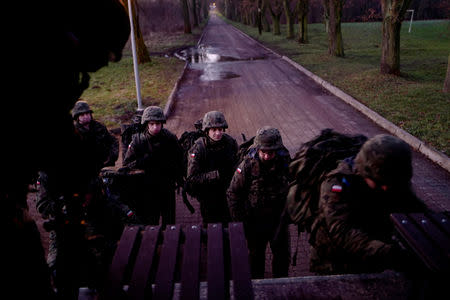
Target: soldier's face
[
  {"x": 266, "y": 155},
  {"x": 215, "y": 133},
  {"x": 85, "y": 118},
  {"x": 373, "y": 185},
  {"x": 154, "y": 127}
]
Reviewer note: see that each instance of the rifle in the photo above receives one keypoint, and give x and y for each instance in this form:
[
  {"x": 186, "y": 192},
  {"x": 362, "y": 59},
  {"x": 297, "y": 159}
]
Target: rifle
[{"x": 186, "y": 201}]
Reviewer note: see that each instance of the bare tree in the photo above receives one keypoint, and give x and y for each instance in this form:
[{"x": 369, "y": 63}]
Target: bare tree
[
  {"x": 143, "y": 56},
  {"x": 290, "y": 16},
  {"x": 302, "y": 12},
  {"x": 187, "y": 21},
  {"x": 275, "y": 9},
  {"x": 393, "y": 13},
  {"x": 335, "y": 42},
  {"x": 194, "y": 13},
  {"x": 446, "y": 88}
]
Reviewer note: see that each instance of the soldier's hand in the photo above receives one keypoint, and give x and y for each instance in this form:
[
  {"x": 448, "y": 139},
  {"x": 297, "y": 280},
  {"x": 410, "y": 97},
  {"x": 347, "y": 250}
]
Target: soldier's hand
[{"x": 213, "y": 176}]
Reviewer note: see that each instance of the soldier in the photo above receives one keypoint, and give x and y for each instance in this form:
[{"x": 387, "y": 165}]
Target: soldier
[
  {"x": 257, "y": 196},
  {"x": 156, "y": 151},
  {"x": 102, "y": 146},
  {"x": 353, "y": 233},
  {"x": 210, "y": 168},
  {"x": 80, "y": 237}
]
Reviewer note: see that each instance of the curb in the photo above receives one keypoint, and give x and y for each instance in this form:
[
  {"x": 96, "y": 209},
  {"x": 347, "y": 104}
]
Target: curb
[
  {"x": 170, "y": 101},
  {"x": 437, "y": 157}
]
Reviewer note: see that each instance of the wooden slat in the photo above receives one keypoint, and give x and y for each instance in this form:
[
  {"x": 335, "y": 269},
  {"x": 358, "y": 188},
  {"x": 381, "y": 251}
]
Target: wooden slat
[
  {"x": 120, "y": 262},
  {"x": 240, "y": 266},
  {"x": 433, "y": 231},
  {"x": 190, "y": 270},
  {"x": 443, "y": 221},
  {"x": 139, "y": 283},
  {"x": 418, "y": 241},
  {"x": 166, "y": 269},
  {"x": 217, "y": 289}
]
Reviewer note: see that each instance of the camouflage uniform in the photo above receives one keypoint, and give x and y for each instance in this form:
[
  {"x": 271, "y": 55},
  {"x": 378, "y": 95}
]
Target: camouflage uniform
[
  {"x": 80, "y": 239},
  {"x": 256, "y": 197},
  {"x": 210, "y": 168},
  {"x": 160, "y": 156},
  {"x": 102, "y": 149},
  {"x": 353, "y": 232}
]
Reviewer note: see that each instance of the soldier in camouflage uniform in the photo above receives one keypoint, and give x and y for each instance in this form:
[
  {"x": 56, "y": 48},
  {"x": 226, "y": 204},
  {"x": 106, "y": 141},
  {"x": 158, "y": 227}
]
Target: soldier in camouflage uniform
[
  {"x": 102, "y": 146},
  {"x": 257, "y": 196},
  {"x": 210, "y": 168},
  {"x": 353, "y": 232},
  {"x": 156, "y": 151},
  {"x": 80, "y": 241}
]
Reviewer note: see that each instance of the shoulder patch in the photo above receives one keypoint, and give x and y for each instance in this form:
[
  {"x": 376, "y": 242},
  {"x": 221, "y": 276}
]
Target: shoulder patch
[
  {"x": 239, "y": 170},
  {"x": 336, "y": 188},
  {"x": 192, "y": 154}
]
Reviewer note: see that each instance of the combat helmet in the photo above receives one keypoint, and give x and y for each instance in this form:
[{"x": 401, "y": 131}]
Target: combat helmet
[
  {"x": 153, "y": 113},
  {"x": 385, "y": 159},
  {"x": 80, "y": 107},
  {"x": 268, "y": 139},
  {"x": 214, "y": 119}
]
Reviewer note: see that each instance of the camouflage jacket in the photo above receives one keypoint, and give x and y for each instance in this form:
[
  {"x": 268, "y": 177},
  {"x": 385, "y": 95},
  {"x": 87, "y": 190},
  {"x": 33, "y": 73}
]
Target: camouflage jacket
[
  {"x": 99, "y": 147},
  {"x": 159, "y": 156},
  {"x": 353, "y": 232},
  {"x": 257, "y": 193},
  {"x": 210, "y": 166}
]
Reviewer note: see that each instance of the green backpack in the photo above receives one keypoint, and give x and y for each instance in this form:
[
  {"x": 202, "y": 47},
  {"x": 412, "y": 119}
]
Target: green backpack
[{"x": 309, "y": 167}]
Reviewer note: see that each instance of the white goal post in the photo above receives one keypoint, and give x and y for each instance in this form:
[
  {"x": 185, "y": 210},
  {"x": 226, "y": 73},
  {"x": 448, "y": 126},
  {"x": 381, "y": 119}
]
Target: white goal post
[{"x": 412, "y": 15}]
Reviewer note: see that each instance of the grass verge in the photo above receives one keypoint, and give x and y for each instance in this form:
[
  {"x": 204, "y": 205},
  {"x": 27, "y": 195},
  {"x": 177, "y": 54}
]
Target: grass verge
[{"x": 413, "y": 101}]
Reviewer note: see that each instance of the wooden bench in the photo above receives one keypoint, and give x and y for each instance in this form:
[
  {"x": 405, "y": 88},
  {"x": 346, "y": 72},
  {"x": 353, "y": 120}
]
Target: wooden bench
[
  {"x": 428, "y": 236},
  {"x": 149, "y": 261}
]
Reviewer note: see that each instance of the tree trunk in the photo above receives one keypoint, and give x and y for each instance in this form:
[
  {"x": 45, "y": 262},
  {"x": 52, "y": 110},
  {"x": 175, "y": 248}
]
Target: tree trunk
[
  {"x": 276, "y": 24},
  {"x": 187, "y": 21},
  {"x": 194, "y": 13},
  {"x": 302, "y": 10},
  {"x": 335, "y": 43},
  {"x": 393, "y": 13},
  {"x": 326, "y": 15},
  {"x": 265, "y": 23},
  {"x": 289, "y": 19},
  {"x": 205, "y": 10},
  {"x": 275, "y": 18},
  {"x": 446, "y": 88},
  {"x": 143, "y": 56}
]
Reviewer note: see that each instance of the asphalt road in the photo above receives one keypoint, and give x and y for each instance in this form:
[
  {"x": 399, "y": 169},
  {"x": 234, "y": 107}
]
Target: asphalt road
[{"x": 254, "y": 87}]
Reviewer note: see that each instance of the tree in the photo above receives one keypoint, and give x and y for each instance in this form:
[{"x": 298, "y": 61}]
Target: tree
[
  {"x": 393, "y": 13},
  {"x": 185, "y": 11},
  {"x": 194, "y": 13},
  {"x": 335, "y": 43},
  {"x": 143, "y": 56},
  {"x": 275, "y": 11},
  {"x": 446, "y": 88},
  {"x": 302, "y": 12},
  {"x": 289, "y": 13}
]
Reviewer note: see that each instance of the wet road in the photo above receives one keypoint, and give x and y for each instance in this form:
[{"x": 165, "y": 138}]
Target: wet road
[{"x": 254, "y": 87}]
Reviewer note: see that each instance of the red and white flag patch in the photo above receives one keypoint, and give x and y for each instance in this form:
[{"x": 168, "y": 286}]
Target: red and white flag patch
[
  {"x": 239, "y": 170},
  {"x": 192, "y": 154},
  {"x": 336, "y": 188}
]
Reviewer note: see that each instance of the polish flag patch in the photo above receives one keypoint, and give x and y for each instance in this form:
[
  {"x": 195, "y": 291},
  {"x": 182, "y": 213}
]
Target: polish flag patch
[
  {"x": 239, "y": 170},
  {"x": 336, "y": 188},
  {"x": 192, "y": 154}
]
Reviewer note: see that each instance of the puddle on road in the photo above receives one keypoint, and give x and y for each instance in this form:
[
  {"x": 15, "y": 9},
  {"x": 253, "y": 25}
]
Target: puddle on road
[{"x": 205, "y": 59}]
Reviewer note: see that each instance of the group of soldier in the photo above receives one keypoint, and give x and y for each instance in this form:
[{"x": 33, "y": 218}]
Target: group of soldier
[{"x": 351, "y": 233}]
